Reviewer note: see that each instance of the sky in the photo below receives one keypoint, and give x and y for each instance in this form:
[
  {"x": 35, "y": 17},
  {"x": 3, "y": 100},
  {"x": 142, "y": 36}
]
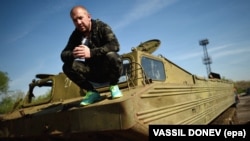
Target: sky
[{"x": 33, "y": 33}]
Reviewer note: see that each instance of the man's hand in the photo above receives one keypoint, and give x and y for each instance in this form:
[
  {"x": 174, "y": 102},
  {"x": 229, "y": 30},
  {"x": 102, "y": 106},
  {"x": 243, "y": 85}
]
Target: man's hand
[{"x": 81, "y": 52}]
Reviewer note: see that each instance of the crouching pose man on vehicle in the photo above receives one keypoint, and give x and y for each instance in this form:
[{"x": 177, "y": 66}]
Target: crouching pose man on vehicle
[{"x": 95, "y": 42}]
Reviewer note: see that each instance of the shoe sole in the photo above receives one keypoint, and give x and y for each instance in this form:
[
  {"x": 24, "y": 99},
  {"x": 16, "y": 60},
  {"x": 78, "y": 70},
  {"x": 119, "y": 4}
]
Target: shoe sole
[
  {"x": 118, "y": 96},
  {"x": 85, "y": 104}
]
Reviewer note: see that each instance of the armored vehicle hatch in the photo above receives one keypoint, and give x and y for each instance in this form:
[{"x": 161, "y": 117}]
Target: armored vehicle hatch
[{"x": 149, "y": 46}]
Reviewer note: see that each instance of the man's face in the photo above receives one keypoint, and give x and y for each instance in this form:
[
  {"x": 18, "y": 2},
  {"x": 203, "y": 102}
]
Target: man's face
[{"x": 81, "y": 19}]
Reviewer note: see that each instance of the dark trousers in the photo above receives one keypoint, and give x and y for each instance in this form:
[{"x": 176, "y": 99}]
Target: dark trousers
[{"x": 106, "y": 68}]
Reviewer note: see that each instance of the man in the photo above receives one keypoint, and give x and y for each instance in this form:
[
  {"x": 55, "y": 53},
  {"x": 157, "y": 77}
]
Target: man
[{"x": 93, "y": 41}]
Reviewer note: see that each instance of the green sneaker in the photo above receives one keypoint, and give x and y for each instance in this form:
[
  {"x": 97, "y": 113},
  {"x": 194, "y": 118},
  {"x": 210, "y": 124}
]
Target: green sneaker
[
  {"x": 115, "y": 91},
  {"x": 90, "y": 97}
]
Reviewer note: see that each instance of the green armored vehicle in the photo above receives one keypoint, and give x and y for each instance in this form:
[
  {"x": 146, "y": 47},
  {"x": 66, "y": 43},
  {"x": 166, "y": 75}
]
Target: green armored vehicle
[{"x": 155, "y": 91}]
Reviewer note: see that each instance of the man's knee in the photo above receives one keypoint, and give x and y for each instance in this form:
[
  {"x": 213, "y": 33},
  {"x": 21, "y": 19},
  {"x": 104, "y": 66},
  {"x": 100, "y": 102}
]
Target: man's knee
[{"x": 65, "y": 68}]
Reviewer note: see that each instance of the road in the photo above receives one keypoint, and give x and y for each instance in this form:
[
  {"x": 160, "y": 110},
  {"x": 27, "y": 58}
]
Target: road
[{"x": 243, "y": 110}]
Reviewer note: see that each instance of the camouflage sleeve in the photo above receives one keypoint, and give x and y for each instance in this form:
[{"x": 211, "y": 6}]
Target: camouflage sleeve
[
  {"x": 66, "y": 54},
  {"x": 108, "y": 40}
]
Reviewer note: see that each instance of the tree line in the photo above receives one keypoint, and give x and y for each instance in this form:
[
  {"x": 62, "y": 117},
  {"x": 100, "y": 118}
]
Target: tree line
[{"x": 10, "y": 98}]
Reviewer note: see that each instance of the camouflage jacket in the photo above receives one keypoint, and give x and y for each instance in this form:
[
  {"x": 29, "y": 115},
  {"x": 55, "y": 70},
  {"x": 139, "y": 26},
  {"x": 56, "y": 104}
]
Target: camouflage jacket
[{"x": 101, "y": 41}]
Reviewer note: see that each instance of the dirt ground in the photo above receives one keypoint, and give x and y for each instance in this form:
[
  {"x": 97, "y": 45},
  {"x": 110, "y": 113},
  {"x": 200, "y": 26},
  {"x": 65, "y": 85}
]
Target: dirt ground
[{"x": 243, "y": 109}]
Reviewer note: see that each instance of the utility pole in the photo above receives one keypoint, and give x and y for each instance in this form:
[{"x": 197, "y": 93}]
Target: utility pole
[{"x": 206, "y": 60}]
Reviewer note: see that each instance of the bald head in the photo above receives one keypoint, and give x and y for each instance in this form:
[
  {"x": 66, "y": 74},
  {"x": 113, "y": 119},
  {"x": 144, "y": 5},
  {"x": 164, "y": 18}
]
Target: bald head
[
  {"x": 81, "y": 18},
  {"x": 75, "y": 8}
]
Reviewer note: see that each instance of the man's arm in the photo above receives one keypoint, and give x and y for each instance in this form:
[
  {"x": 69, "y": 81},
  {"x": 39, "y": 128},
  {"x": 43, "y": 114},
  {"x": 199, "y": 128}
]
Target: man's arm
[
  {"x": 67, "y": 53},
  {"x": 108, "y": 41}
]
